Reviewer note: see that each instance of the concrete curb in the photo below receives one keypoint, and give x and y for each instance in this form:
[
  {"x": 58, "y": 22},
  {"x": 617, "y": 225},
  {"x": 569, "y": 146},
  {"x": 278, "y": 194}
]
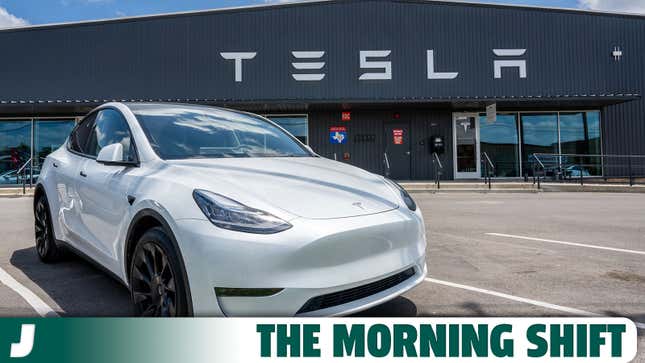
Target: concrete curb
[
  {"x": 458, "y": 188},
  {"x": 449, "y": 187},
  {"x": 15, "y": 193},
  {"x": 482, "y": 191}
]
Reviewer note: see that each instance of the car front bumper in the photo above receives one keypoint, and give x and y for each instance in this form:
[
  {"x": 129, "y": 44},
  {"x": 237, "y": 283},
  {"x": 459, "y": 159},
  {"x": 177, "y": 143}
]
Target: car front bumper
[{"x": 314, "y": 258}]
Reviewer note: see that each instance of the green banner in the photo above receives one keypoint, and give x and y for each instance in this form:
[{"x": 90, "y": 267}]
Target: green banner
[{"x": 248, "y": 340}]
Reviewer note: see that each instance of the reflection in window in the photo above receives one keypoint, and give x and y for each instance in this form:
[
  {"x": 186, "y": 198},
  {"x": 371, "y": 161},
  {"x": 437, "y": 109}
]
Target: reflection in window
[
  {"x": 539, "y": 135},
  {"x": 15, "y": 148},
  {"x": 296, "y": 125},
  {"x": 49, "y": 135},
  {"x": 580, "y": 135},
  {"x": 110, "y": 128},
  {"x": 188, "y": 131},
  {"x": 499, "y": 140}
]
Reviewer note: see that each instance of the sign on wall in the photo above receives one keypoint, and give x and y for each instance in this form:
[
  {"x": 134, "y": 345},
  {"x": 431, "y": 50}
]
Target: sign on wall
[
  {"x": 338, "y": 135},
  {"x": 397, "y": 135},
  {"x": 346, "y": 116},
  {"x": 491, "y": 113}
]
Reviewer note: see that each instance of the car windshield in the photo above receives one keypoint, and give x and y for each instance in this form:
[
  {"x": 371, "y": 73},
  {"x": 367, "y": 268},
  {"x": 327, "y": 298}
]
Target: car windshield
[{"x": 187, "y": 132}]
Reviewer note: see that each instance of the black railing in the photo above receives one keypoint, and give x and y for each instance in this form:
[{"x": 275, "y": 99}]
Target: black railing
[
  {"x": 22, "y": 173},
  {"x": 437, "y": 168},
  {"x": 488, "y": 169},
  {"x": 386, "y": 165},
  {"x": 580, "y": 167}
]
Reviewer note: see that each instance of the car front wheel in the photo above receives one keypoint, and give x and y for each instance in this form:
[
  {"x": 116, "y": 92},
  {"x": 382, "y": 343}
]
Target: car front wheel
[{"x": 156, "y": 283}]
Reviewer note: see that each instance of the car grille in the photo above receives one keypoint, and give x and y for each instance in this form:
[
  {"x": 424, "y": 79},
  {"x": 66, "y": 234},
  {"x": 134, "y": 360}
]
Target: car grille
[{"x": 356, "y": 293}]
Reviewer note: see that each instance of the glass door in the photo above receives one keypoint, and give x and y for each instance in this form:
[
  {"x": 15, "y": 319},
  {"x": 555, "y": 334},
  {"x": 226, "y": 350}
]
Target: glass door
[{"x": 466, "y": 146}]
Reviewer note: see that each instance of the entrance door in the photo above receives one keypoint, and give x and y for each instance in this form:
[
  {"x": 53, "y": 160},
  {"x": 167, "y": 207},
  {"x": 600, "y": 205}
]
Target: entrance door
[
  {"x": 466, "y": 146},
  {"x": 397, "y": 149}
]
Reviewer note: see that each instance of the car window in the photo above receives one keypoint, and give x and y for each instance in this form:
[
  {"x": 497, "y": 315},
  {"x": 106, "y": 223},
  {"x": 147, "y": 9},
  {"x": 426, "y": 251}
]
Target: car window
[
  {"x": 184, "y": 132},
  {"x": 110, "y": 128},
  {"x": 79, "y": 136}
]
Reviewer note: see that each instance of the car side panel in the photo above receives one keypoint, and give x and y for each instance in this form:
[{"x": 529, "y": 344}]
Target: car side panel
[{"x": 58, "y": 176}]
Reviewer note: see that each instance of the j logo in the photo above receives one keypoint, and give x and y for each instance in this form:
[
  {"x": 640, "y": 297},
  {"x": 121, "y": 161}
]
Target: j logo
[{"x": 26, "y": 344}]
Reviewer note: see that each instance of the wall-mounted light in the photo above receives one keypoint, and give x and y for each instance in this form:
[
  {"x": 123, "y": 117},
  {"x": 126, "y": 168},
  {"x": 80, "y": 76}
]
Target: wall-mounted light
[{"x": 617, "y": 53}]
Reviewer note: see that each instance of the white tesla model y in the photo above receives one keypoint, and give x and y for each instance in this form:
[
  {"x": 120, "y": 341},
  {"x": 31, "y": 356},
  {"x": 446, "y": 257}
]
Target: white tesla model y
[{"x": 205, "y": 211}]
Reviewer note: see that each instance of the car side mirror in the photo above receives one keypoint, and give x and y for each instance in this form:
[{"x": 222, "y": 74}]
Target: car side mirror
[{"x": 111, "y": 155}]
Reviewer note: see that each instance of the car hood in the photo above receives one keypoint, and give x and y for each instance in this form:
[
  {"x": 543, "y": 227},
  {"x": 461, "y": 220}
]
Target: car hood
[{"x": 308, "y": 187}]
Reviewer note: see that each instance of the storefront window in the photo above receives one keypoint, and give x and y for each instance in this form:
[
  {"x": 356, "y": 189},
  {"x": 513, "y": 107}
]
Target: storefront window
[
  {"x": 296, "y": 125},
  {"x": 539, "y": 135},
  {"x": 580, "y": 135},
  {"x": 15, "y": 148},
  {"x": 16, "y": 144},
  {"x": 499, "y": 140},
  {"x": 49, "y": 135}
]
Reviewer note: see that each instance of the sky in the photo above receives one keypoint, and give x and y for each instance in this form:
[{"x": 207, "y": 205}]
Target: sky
[{"x": 15, "y": 13}]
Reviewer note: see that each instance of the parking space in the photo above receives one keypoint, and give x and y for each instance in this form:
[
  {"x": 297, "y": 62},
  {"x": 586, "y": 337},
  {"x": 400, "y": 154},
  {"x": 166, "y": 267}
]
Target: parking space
[{"x": 556, "y": 254}]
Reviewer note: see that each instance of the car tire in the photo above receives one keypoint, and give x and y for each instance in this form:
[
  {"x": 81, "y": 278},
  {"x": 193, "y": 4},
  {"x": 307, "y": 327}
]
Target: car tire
[
  {"x": 157, "y": 286},
  {"x": 46, "y": 248}
]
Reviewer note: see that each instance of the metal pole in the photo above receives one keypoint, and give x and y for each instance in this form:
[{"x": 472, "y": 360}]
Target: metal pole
[
  {"x": 434, "y": 170},
  {"x": 490, "y": 181},
  {"x": 581, "y": 173}
]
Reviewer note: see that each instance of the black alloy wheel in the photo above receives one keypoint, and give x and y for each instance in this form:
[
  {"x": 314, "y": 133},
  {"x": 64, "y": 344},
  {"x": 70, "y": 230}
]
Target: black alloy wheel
[
  {"x": 46, "y": 246},
  {"x": 157, "y": 288}
]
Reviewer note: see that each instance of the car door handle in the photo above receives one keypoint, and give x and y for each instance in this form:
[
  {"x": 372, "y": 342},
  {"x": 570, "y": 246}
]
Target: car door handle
[{"x": 82, "y": 173}]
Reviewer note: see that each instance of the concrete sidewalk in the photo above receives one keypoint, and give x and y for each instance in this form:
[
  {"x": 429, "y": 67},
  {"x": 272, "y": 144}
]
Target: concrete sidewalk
[
  {"x": 448, "y": 186},
  {"x": 15, "y": 192},
  {"x": 517, "y": 187}
]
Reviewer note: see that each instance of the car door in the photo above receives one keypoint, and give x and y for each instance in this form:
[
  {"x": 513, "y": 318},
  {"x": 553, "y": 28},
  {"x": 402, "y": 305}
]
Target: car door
[
  {"x": 65, "y": 166},
  {"x": 103, "y": 189}
]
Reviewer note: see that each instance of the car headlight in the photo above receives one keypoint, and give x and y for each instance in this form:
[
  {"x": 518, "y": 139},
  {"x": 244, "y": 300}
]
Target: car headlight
[
  {"x": 229, "y": 214},
  {"x": 407, "y": 199}
]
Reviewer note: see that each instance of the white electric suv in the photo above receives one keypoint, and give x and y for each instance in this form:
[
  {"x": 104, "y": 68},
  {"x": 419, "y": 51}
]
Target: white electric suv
[{"x": 203, "y": 211}]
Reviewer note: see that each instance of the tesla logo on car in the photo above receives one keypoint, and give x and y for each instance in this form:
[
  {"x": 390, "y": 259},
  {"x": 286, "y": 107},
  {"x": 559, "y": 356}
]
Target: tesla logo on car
[
  {"x": 358, "y": 205},
  {"x": 26, "y": 344}
]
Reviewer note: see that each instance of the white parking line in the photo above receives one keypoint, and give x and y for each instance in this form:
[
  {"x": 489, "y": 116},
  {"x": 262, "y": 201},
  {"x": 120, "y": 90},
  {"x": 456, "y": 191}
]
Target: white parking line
[
  {"x": 522, "y": 300},
  {"x": 32, "y": 299},
  {"x": 567, "y": 243}
]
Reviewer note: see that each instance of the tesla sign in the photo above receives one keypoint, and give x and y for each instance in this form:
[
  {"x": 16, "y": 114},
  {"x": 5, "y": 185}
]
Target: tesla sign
[{"x": 310, "y": 65}]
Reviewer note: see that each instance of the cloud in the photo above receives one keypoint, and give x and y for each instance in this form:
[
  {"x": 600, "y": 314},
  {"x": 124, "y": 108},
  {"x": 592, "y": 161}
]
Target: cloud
[
  {"x": 8, "y": 20},
  {"x": 629, "y": 6}
]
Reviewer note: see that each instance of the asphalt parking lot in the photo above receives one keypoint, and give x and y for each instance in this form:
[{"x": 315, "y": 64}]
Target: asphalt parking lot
[{"x": 548, "y": 254}]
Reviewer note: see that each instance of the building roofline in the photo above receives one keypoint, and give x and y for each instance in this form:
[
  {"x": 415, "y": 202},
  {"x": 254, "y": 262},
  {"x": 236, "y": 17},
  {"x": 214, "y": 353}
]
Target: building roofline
[
  {"x": 491, "y": 4},
  {"x": 314, "y": 2}
]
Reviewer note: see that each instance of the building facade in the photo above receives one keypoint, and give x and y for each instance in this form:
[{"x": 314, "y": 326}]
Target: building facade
[{"x": 373, "y": 83}]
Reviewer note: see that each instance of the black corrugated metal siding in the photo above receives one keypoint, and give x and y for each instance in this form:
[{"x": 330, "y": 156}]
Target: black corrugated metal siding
[
  {"x": 178, "y": 57},
  {"x": 369, "y": 155}
]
